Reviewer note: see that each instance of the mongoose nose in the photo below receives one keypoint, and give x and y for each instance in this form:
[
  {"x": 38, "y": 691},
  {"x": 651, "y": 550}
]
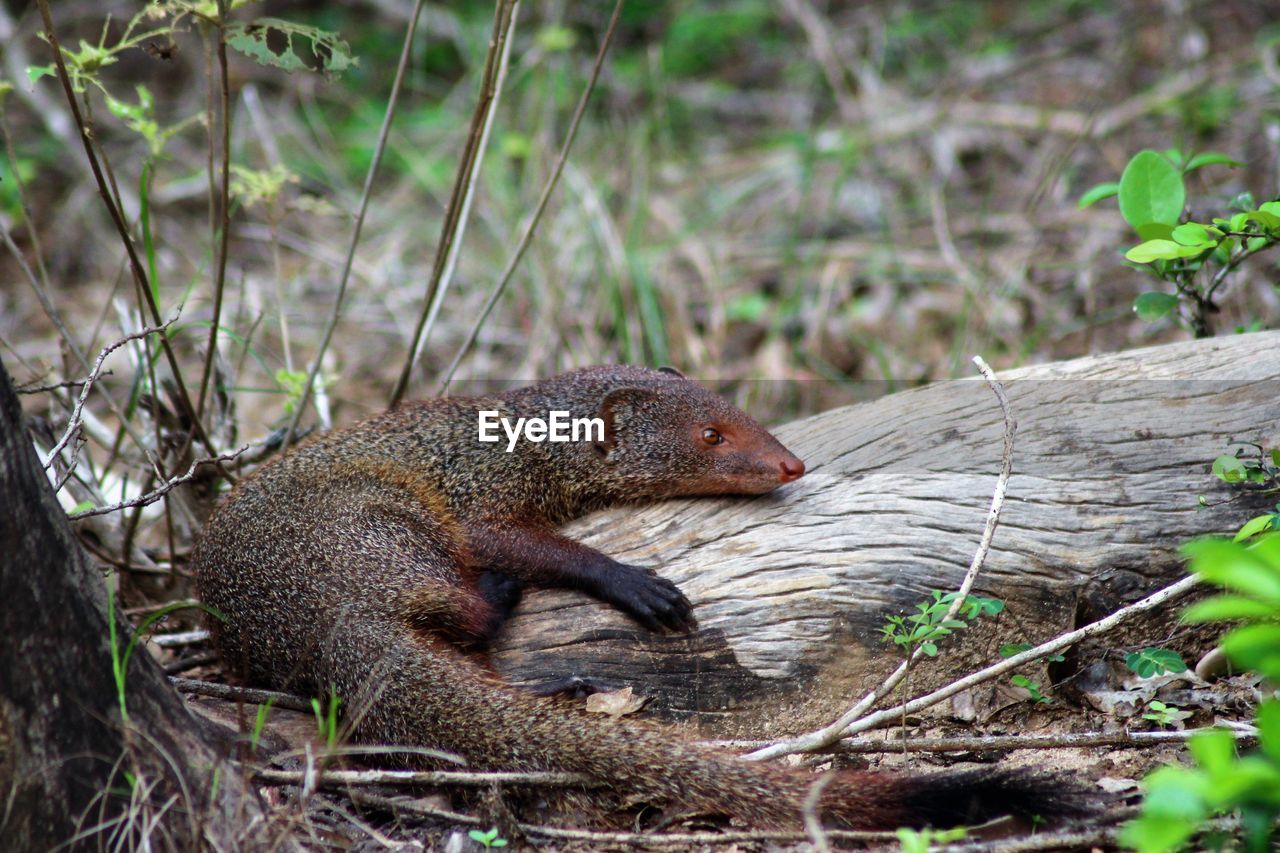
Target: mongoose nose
[{"x": 792, "y": 468}]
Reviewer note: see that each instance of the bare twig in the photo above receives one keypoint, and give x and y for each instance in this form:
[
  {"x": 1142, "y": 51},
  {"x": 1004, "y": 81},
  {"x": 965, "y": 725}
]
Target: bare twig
[
  {"x": 180, "y": 638},
  {"x": 531, "y": 225},
  {"x": 812, "y": 821},
  {"x": 858, "y": 723},
  {"x": 251, "y": 695},
  {"x": 117, "y": 219},
  {"x": 378, "y": 149},
  {"x": 985, "y": 743},
  {"x": 831, "y": 733},
  {"x": 600, "y": 839},
  {"x": 455, "y": 219},
  {"x": 273, "y": 776},
  {"x": 224, "y": 198},
  {"x": 56, "y": 386},
  {"x": 1046, "y": 648},
  {"x": 164, "y": 489},
  {"x": 73, "y": 426}
]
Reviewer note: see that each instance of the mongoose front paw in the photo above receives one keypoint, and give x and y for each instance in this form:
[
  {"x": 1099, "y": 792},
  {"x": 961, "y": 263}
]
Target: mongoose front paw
[{"x": 654, "y": 602}]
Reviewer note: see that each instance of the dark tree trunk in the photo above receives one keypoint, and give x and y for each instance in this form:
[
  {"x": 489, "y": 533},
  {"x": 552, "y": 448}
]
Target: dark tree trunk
[{"x": 71, "y": 770}]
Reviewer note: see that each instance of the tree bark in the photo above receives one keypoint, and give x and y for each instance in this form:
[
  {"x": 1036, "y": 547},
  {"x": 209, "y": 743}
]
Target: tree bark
[
  {"x": 790, "y": 589},
  {"x": 72, "y": 771}
]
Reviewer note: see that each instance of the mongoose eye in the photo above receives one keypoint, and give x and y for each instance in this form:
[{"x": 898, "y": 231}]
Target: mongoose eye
[{"x": 712, "y": 436}]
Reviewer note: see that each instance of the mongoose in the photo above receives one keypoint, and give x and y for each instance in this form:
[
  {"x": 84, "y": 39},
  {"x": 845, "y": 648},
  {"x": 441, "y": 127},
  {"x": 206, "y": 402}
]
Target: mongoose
[{"x": 378, "y": 561}]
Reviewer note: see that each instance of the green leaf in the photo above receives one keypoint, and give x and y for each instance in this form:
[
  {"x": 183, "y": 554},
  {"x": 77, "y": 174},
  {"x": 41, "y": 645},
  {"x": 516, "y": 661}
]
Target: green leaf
[
  {"x": 271, "y": 41},
  {"x": 1229, "y": 469},
  {"x": 1268, "y": 723},
  {"x": 1008, "y": 650},
  {"x": 1255, "y": 647},
  {"x": 1228, "y": 608},
  {"x": 555, "y": 38},
  {"x": 747, "y": 308},
  {"x": 1266, "y": 219},
  {"x": 1210, "y": 158},
  {"x": 1153, "y": 661},
  {"x": 1164, "y": 250},
  {"x": 35, "y": 72},
  {"x": 1214, "y": 751},
  {"x": 1258, "y": 524},
  {"x": 1155, "y": 231},
  {"x": 1195, "y": 234},
  {"x": 83, "y": 506},
  {"x": 1096, "y": 194},
  {"x": 1151, "y": 190},
  {"x": 1243, "y": 201},
  {"x": 1152, "y": 306}
]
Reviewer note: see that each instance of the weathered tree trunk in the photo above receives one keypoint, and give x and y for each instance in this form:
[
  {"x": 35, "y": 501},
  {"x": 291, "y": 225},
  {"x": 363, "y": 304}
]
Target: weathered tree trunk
[
  {"x": 790, "y": 589},
  {"x": 71, "y": 770}
]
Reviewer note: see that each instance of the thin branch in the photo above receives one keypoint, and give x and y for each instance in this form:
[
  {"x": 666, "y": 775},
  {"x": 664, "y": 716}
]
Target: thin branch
[
  {"x": 812, "y": 822},
  {"x": 454, "y": 225},
  {"x": 272, "y": 776},
  {"x": 56, "y": 386},
  {"x": 832, "y": 732},
  {"x": 180, "y": 638},
  {"x": 379, "y": 148},
  {"x": 986, "y": 743},
  {"x": 532, "y": 224},
  {"x": 73, "y": 426},
  {"x": 250, "y": 695},
  {"x": 122, "y": 229},
  {"x": 688, "y": 840},
  {"x": 164, "y": 488},
  {"x": 1049, "y": 647},
  {"x": 857, "y": 723},
  {"x": 224, "y": 197}
]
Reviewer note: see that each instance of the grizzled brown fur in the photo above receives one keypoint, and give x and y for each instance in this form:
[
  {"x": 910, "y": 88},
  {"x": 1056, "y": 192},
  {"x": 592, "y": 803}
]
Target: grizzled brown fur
[{"x": 378, "y": 561}]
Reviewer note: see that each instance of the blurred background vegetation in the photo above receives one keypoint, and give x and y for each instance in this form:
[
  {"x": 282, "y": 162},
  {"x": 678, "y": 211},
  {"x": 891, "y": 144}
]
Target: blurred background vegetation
[{"x": 803, "y": 189}]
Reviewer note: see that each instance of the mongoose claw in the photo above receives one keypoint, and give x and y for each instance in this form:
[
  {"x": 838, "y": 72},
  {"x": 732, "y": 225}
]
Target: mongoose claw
[{"x": 654, "y": 602}]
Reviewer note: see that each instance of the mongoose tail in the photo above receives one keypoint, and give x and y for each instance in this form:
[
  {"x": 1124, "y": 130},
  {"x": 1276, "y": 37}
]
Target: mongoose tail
[
  {"x": 378, "y": 561},
  {"x": 497, "y": 727}
]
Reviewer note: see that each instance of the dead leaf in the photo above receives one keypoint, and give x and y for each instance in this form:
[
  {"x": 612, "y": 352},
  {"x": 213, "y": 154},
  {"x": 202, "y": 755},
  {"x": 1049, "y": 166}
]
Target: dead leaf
[{"x": 616, "y": 703}]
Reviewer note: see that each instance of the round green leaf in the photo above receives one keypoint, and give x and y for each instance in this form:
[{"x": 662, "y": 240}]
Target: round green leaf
[
  {"x": 1210, "y": 158},
  {"x": 1269, "y": 221},
  {"x": 1254, "y": 526},
  {"x": 1151, "y": 190},
  {"x": 1228, "y": 468},
  {"x": 1194, "y": 234},
  {"x": 1164, "y": 250},
  {"x": 1227, "y": 608},
  {"x": 1255, "y": 647},
  {"x": 1098, "y": 193},
  {"x": 1155, "y": 231},
  {"x": 1152, "y": 306},
  {"x": 1153, "y": 661}
]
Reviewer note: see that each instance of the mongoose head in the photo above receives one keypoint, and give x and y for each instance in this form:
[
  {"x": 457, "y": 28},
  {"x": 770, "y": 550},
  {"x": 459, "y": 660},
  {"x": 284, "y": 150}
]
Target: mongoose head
[{"x": 667, "y": 436}]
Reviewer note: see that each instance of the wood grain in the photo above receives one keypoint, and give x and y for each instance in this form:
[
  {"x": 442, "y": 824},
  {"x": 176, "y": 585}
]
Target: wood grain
[{"x": 790, "y": 588}]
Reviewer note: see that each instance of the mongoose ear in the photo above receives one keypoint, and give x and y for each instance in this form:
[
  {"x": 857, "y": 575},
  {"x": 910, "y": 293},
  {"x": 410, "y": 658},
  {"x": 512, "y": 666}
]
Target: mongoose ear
[
  {"x": 615, "y": 410},
  {"x": 671, "y": 370}
]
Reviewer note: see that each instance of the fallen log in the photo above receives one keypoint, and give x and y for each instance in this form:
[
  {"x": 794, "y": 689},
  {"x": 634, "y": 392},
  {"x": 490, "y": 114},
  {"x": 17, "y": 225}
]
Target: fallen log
[{"x": 1111, "y": 457}]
